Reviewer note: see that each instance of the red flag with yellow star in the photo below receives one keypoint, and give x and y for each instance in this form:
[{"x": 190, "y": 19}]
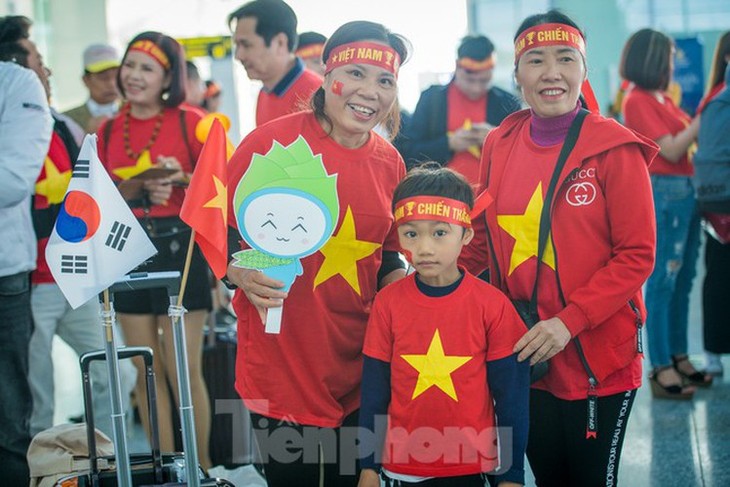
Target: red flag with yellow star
[{"x": 205, "y": 207}]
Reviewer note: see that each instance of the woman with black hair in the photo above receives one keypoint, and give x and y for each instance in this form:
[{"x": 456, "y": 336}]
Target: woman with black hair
[
  {"x": 304, "y": 382},
  {"x": 648, "y": 61},
  {"x": 561, "y": 244},
  {"x": 152, "y": 129}
]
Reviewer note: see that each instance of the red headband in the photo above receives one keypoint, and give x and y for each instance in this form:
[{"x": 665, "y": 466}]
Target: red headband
[
  {"x": 151, "y": 49},
  {"x": 373, "y": 53},
  {"x": 549, "y": 35},
  {"x": 432, "y": 208},
  {"x": 312, "y": 50},
  {"x": 473, "y": 65}
]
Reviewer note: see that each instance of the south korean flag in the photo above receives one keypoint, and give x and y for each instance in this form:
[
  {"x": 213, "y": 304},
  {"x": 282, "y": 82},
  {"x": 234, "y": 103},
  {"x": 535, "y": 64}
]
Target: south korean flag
[{"x": 96, "y": 238}]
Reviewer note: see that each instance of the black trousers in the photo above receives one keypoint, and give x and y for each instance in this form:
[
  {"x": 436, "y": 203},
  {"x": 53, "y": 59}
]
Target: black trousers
[
  {"x": 715, "y": 294},
  {"x": 298, "y": 455},
  {"x": 557, "y": 448}
]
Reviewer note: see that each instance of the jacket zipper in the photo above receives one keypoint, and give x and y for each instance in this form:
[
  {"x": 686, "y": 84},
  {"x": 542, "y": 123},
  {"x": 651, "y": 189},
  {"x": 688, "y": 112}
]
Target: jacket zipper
[{"x": 639, "y": 326}]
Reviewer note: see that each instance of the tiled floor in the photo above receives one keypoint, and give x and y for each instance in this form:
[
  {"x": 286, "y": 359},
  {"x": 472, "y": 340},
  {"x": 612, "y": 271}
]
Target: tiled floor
[{"x": 668, "y": 443}]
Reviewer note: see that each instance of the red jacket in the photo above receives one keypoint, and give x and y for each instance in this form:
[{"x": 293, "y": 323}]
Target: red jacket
[{"x": 603, "y": 255}]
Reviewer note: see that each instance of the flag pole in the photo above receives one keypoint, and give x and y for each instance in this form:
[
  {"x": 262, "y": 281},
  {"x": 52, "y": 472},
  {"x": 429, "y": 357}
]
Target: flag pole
[
  {"x": 187, "y": 417},
  {"x": 124, "y": 471},
  {"x": 186, "y": 269}
]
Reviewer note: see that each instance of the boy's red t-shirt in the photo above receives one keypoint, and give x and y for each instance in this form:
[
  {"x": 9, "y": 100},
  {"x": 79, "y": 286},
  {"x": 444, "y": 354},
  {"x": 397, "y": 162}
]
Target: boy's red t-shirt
[{"x": 441, "y": 414}]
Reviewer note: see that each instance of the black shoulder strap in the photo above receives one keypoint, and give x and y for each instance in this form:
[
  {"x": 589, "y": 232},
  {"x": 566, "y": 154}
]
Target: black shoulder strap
[{"x": 568, "y": 144}]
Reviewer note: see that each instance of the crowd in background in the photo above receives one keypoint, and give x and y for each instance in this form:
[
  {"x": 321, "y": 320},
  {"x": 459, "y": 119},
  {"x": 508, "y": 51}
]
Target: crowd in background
[{"x": 630, "y": 210}]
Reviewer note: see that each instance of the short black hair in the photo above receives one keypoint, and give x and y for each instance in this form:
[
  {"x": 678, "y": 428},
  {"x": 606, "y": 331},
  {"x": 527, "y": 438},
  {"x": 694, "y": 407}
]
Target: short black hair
[
  {"x": 13, "y": 52},
  {"x": 431, "y": 179},
  {"x": 477, "y": 47},
  {"x": 13, "y": 29},
  {"x": 272, "y": 17},
  {"x": 309, "y": 38},
  {"x": 646, "y": 60}
]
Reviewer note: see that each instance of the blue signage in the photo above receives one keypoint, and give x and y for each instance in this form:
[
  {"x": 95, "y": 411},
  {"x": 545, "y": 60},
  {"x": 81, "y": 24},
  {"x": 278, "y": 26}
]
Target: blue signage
[{"x": 688, "y": 72}]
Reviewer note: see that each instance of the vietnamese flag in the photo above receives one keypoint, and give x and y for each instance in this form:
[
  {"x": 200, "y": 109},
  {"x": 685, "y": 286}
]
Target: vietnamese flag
[{"x": 205, "y": 207}]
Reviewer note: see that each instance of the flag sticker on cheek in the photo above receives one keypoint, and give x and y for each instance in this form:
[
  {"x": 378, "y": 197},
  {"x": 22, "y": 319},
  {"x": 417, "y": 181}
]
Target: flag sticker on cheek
[{"x": 337, "y": 87}]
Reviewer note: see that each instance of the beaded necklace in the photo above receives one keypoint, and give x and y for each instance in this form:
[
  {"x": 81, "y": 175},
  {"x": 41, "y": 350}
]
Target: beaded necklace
[{"x": 155, "y": 132}]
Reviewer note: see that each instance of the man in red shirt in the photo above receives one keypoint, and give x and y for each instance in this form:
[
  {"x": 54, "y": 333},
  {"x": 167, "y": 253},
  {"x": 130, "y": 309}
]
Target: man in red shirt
[
  {"x": 265, "y": 36},
  {"x": 451, "y": 122}
]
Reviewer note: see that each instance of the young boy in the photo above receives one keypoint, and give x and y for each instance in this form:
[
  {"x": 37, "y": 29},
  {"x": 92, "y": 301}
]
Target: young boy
[{"x": 438, "y": 356}]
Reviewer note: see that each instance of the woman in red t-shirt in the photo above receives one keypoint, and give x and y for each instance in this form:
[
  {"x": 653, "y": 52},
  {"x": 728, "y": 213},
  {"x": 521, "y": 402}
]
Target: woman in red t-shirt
[
  {"x": 152, "y": 130},
  {"x": 305, "y": 380},
  {"x": 647, "y": 62}
]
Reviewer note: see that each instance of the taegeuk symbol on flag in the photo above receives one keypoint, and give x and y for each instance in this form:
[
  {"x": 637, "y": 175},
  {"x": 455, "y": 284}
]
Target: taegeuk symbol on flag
[{"x": 96, "y": 238}]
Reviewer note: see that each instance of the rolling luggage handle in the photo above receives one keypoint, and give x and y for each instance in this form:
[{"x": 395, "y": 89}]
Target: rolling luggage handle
[
  {"x": 122, "y": 353},
  {"x": 152, "y": 280}
]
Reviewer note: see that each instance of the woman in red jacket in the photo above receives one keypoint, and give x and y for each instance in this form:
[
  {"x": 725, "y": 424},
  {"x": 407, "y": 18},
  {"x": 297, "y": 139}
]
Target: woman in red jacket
[{"x": 596, "y": 257}]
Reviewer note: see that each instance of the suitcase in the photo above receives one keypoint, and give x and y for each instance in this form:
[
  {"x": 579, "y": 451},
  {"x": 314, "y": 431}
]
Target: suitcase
[
  {"x": 232, "y": 442},
  {"x": 148, "y": 469},
  {"x": 129, "y": 470}
]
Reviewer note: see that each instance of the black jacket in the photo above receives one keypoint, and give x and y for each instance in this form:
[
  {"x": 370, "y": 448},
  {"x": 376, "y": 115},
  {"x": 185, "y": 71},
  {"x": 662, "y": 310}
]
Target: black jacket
[{"x": 424, "y": 138}]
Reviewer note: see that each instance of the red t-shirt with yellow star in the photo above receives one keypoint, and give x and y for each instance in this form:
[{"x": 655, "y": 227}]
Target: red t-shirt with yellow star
[
  {"x": 169, "y": 143},
  {"x": 441, "y": 414},
  {"x": 50, "y": 189},
  {"x": 644, "y": 113},
  {"x": 310, "y": 372},
  {"x": 463, "y": 113}
]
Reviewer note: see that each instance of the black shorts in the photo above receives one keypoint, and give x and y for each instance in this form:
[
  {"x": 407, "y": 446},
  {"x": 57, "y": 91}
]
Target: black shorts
[{"x": 170, "y": 237}]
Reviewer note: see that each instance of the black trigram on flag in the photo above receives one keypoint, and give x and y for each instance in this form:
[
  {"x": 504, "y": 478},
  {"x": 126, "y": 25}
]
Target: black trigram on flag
[
  {"x": 74, "y": 264},
  {"x": 81, "y": 169},
  {"x": 118, "y": 236}
]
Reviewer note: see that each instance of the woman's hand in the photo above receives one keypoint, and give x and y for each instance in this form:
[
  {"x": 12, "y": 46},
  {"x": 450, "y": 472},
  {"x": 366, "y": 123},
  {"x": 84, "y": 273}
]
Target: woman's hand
[
  {"x": 546, "y": 339},
  {"x": 262, "y": 291},
  {"x": 369, "y": 478},
  {"x": 158, "y": 190},
  {"x": 172, "y": 163}
]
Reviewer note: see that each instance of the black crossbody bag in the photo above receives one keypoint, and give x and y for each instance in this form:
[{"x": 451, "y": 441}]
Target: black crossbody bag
[{"x": 528, "y": 309}]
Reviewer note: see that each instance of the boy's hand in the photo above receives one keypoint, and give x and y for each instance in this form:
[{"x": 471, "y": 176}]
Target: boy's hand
[
  {"x": 546, "y": 339},
  {"x": 369, "y": 478},
  {"x": 507, "y": 483}
]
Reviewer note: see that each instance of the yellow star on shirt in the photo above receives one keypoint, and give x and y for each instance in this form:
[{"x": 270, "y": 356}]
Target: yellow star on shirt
[
  {"x": 220, "y": 200},
  {"x": 525, "y": 229},
  {"x": 342, "y": 252},
  {"x": 143, "y": 163},
  {"x": 435, "y": 368},
  {"x": 54, "y": 185}
]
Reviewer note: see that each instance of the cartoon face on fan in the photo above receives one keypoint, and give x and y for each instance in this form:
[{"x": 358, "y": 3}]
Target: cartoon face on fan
[
  {"x": 286, "y": 208},
  {"x": 285, "y": 223}
]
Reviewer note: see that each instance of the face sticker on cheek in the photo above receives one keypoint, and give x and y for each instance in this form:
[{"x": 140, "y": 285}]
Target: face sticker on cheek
[{"x": 337, "y": 87}]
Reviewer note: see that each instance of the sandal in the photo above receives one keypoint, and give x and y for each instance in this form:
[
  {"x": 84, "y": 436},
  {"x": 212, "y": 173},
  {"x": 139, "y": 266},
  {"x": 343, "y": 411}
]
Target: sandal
[
  {"x": 695, "y": 378},
  {"x": 673, "y": 391}
]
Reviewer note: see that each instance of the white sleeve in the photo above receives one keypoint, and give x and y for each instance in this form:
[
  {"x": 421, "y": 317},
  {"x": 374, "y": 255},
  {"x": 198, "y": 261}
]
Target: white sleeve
[{"x": 25, "y": 132}]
